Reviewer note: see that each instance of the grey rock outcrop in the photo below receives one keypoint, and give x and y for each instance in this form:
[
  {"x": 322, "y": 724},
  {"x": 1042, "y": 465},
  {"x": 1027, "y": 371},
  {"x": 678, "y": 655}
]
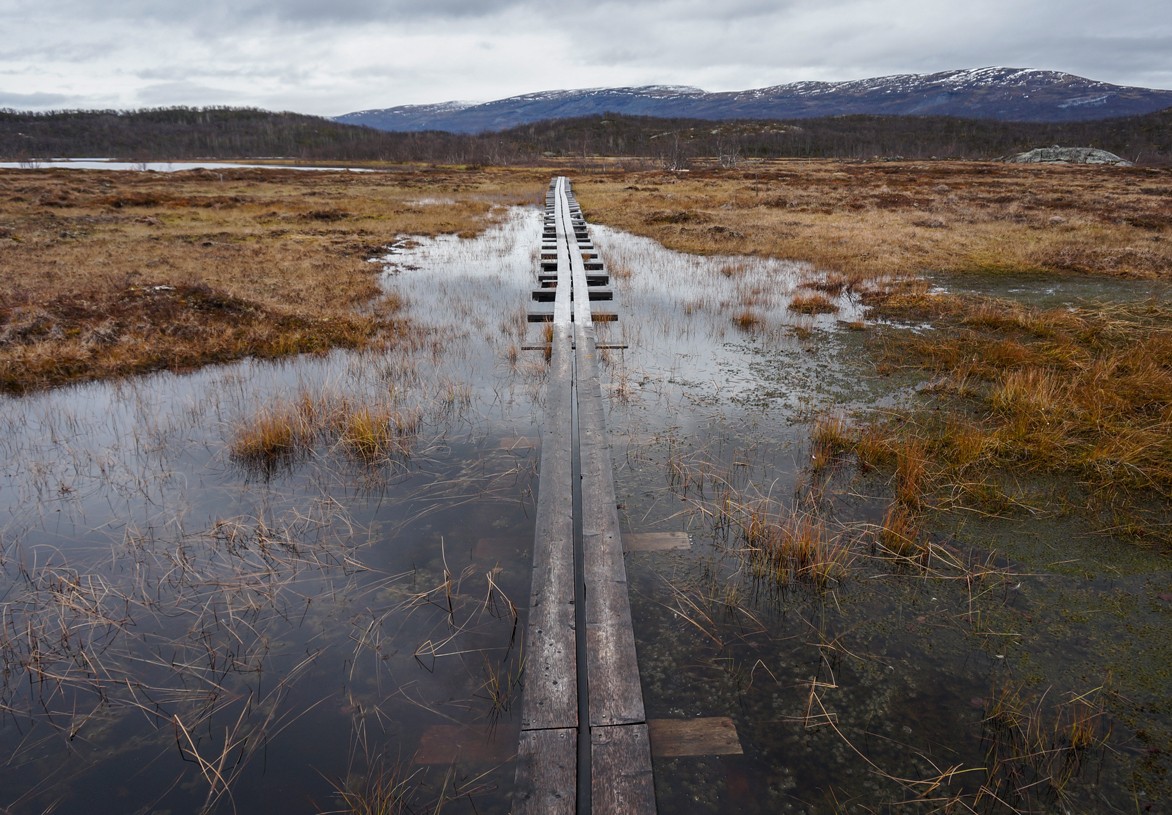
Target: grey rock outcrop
[{"x": 1068, "y": 155}]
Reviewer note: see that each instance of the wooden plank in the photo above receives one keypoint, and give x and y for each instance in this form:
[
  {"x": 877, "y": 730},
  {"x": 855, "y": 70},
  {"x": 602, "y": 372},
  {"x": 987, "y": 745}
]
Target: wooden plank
[
  {"x": 517, "y": 443},
  {"x": 613, "y": 671},
  {"x": 550, "y": 698},
  {"x": 547, "y": 763},
  {"x": 562, "y": 304},
  {"x": 464, "y": 744},
  {"x": 577, "y": 270},
  {"x": 656, "y": 541},
  {"x": 711, "y": 736},
  {"x": 622, "y": 783}
]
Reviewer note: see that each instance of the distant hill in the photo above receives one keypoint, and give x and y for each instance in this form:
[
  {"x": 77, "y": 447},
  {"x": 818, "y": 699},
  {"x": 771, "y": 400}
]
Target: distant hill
[
  {"x": 1143, "y": 139},
  {"x": 1000, "y": 94},
  {"x": 232, "y": 133},
  {"x": 179, "y": 133}
]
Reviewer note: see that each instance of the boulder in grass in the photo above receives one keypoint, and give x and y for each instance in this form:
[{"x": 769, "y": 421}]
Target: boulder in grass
[{"x": 1068, "y": 155}]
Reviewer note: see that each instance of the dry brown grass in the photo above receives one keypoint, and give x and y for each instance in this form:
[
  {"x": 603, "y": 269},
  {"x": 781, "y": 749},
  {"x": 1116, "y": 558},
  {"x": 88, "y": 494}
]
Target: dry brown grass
[
  {"x": 109, "y": 273},
  {"x": 1083, "y": 394},
  {"x": 867, "y": 220}
]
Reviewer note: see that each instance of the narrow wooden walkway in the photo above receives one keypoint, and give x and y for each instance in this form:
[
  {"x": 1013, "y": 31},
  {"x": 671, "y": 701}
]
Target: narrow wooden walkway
[{"x": 584, "y": 746}]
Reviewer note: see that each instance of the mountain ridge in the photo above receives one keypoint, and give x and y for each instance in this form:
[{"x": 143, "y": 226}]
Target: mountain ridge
[{"x": 996, "y": 93}]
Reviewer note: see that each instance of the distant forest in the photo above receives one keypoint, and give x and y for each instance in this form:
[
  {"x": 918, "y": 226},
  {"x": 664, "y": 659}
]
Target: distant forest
[{"x": 240, "y": 133}]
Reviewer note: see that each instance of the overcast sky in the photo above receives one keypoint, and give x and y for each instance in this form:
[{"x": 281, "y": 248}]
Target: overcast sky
[{"x": 335, "y": 56}]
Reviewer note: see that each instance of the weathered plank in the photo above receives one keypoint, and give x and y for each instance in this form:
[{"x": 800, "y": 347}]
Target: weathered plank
[
  {"x": 550, "y": 698},
  {"x": 710, "y": 736},
  {"x": 547, "y": 764},
  {"x": 613, "y": 671},
  {"x": 656, "y": 541},
  {"x": 622, "y": 783}
]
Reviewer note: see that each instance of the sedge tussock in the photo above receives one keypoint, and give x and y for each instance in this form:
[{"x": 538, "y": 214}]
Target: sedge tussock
[
  {"x": 282, "y": 433},
  {"x": 812, "y": 303}
]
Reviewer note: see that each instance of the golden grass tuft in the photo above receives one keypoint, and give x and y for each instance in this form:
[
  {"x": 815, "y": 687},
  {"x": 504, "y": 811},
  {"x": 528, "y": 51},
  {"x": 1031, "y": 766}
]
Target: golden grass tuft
[
  {"x": 790, "y": 547},
  {"x": 748, "y": 320},
  {"x": 812, "y": 303},
  {"x": 282, "y": 433},
  {"x": 829, "y": 437},
  {"x": 273, "y": 437},
  {"x": 900, "y": 534},
  {"x": 377, "y": 434}
]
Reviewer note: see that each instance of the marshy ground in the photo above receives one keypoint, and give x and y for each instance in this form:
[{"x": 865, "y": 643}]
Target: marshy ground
[{"x": 914, "y": 418}]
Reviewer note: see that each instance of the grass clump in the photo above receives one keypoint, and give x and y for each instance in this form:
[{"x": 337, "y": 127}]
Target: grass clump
[
  {"x": 273, "y": 437},
  {"x": 790, "y": 547},
  {"x": 812, "y": 303},
  {"x": 1083, "y": 396},
  {"x": 281, "y": 434},
  {"x": 377, "y": 434}
]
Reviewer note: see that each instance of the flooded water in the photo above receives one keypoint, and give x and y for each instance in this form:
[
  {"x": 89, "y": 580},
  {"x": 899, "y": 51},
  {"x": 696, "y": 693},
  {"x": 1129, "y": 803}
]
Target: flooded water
[
  {"x": 155, "y": 166},
  {"x": 185, "y": 629}
]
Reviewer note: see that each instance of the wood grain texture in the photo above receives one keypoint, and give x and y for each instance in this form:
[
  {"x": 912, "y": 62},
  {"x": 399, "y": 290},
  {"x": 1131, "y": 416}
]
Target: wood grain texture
[
  {"x": 710, "y": 736},
  {"x": 547, "y": 762},
  {"x": 622, "y": 782},
  {"x": 550, "y": 698}
]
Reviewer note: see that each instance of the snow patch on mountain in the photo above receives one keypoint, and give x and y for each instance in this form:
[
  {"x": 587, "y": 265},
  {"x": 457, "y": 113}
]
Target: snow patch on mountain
[{"x": 991, "y": 92}]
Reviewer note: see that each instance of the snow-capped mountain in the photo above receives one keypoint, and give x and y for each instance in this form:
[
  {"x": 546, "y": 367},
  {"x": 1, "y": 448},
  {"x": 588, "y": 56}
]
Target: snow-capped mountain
[{"x": 1006, "y": 94}]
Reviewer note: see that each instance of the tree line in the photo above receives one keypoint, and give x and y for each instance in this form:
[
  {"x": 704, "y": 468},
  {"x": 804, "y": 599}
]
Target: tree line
[{"x": 239, "y": 133}]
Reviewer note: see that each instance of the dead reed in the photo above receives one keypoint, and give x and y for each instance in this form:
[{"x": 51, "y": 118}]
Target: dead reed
[{"x": 1034, "y": 748}]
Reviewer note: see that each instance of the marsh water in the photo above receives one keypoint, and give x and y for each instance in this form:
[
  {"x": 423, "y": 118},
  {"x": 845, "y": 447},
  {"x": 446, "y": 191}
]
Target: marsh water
[{"x": 187, "y": 630}]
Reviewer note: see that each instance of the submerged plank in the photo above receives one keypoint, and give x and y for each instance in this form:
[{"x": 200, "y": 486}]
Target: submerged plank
[
  {"x": 656, "y": 541},
  {"x": 711, "y": 736},
  {"x": 464, "y": 744}
]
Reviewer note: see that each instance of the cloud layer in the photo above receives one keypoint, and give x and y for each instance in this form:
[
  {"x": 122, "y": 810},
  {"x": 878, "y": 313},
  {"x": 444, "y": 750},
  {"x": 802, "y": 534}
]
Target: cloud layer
[{"x": 342, "y": 55}]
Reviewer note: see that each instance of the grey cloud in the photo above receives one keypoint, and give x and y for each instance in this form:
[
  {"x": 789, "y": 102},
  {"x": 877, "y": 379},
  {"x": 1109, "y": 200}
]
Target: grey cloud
[
  {"x": 225, "y": 14},
  {"x": 36, "y": 101},
  {"x": 190, "y": 93},
  {"x": 350, "y": 54}
]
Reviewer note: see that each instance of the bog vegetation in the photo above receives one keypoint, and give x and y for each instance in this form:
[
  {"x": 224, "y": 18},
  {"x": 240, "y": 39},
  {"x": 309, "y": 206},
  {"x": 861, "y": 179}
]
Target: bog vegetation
[
  {"x": 1019, "y": 410},
  {"x": 108, "y": 274}
]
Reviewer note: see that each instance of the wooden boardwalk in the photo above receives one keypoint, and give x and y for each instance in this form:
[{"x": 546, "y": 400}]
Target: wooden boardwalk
[{"x": 584, "y": 746}]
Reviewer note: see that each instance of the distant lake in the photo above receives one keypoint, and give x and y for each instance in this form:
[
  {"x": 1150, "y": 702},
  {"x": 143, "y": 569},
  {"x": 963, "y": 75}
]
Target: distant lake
[{"x": 156, "y": 166}]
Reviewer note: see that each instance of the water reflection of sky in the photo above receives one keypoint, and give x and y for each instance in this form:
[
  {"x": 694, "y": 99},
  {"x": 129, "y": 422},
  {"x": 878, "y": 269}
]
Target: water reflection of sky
[{"x": 156, "y": 166}]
